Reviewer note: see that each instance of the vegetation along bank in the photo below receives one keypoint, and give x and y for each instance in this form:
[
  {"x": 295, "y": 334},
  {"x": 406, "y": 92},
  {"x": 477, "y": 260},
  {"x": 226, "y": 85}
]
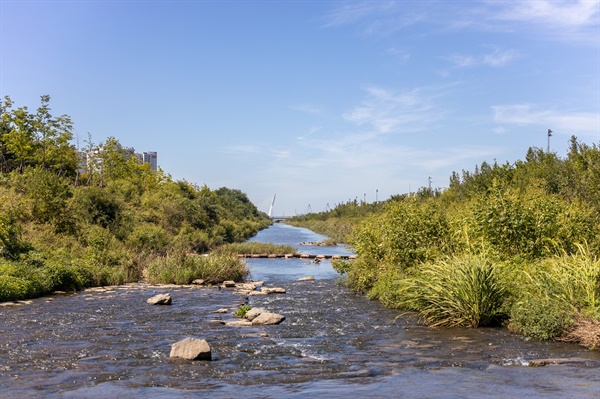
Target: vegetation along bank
[
  {"x": 512, "y": 244},
  {"x": 117, "y": 222}
]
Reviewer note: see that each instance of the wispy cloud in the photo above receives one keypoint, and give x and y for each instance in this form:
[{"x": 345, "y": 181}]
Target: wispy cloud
[
  {"x": 354, "y": 12},
  {"x": 496, "y": 58},
  {"x": 554, "y": 19},
  {"x": 387, "y": 111},
  {"x": 575, "y": 21},
  {"x": 562, "y": 122},
  {"x": 374, "y": 17},
  {"x": 550, "y": 13}
]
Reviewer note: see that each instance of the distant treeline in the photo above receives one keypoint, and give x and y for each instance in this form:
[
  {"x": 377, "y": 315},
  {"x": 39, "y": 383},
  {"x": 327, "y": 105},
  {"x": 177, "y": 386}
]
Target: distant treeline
[
  {"x": 117, "y": 222},
  {"x": 513, "y": 244}
]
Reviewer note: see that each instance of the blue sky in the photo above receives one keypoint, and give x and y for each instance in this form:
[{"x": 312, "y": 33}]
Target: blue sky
[{"x": 318, "y": 101}]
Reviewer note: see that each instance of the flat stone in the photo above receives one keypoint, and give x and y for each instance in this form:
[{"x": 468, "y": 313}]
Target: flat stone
[
  {"x": 307, "y": 278},
  {"x": 191, "y": 349},
  {"x": 268, "y": 318},
  {"x": 228, "y": 284},
  {"x": 254, "y": 293},
  {"x": 198, "y": 281},
  {"x": 239, "y": 323},
  {"x": 160, "y": 299}
]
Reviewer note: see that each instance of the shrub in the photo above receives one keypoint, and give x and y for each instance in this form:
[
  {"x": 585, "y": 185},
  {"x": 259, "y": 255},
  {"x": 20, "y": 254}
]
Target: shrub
[
  {"x": 148, "y": 237},
  {"x": 539, "y": 318}
]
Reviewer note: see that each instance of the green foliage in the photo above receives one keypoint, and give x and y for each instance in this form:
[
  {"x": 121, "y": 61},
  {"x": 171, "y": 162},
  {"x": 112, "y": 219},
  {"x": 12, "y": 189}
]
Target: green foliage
[
  {"x": 460, "y": 291},
  {"x": 45, "y": 195},
  {"x": 36, "y": 139},
  {"x": 251, "y": 248},
  {"x": 181, "y": 268},
  {"x": 242, "y": 310},
  {"x": 59, "y": 230},
  {"x": 11, "y": 244},
  {"x": 434, "y": 252},
  {"x": 406, "y": 233},
  {"x": 553, "y": 292},
  {"x": 537, "y": 318},
  {"x": 531, "y": 223}
]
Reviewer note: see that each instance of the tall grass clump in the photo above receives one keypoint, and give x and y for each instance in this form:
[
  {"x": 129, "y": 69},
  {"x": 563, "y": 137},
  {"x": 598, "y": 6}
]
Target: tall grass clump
[
  {"x": 464, "y": 291},
  {"x": 254, "y": 248},
  {"x": 180, "y": 268}
]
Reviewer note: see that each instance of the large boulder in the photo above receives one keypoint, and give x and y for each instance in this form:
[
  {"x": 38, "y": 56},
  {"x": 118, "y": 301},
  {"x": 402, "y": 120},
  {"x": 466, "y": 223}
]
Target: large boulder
[
  {"x": 160, "y": 299},
  {"x": 191, "y": 349}
]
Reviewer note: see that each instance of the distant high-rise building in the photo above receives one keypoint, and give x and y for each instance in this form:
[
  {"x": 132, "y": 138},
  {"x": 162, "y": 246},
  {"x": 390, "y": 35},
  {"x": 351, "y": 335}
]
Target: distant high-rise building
[
  {"x": 150, "y": 157},
  {"x": 81, "y": 162},
  {"x": 92, "y": 160}
]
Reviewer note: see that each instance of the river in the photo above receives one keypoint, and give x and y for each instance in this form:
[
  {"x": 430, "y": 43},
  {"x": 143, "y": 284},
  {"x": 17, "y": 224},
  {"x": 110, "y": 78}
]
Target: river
[{"x": 109, "y": 343}]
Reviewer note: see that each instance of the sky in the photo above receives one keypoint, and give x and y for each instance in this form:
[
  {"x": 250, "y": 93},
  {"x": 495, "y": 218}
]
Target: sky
[{"x": 318, "y": 102}]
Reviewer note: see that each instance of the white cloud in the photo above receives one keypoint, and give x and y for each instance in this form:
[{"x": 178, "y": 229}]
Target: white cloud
[
  {"x": 389, "y": 112},
  {"x": 496, "y": 58},
  {"x": 574, "y": 21},
  {"x": 562, "y": 122},
  {"x": 551, "y": 13}
]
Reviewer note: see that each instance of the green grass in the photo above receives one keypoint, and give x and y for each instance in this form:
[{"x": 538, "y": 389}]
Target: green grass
[
  {"x": 242, "y": 310},
  {"x": 461, "y": 291},
  {"x": 181, "y": 268},
  {"x": 254, "y": 248}
]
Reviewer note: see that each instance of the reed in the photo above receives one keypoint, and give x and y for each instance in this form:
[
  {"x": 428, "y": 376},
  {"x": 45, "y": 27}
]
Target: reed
[
  {"x": 254, "y": 248},
  {"x": 180, "y": 268},
  {"x": 461, "y": 291}
]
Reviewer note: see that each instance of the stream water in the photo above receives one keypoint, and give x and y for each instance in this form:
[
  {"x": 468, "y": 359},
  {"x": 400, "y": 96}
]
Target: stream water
[{"x": 109, "y": 343}]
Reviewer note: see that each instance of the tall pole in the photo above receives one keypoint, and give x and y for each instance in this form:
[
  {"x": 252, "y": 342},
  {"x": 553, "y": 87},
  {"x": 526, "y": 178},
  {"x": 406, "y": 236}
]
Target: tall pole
[
  {"x": 549, "y": 135},
  {"x": 377, "y": 196}
]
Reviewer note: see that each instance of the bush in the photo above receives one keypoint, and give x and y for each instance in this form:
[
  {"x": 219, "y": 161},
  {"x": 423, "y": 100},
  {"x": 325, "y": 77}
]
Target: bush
[
  {"x": 555, "y": 292},
  {"x": 148, "y": 237},
  {"x": 539, "y": 318}
]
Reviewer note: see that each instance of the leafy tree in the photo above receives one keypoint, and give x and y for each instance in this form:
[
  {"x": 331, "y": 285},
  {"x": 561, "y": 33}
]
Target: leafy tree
[{"x": 36, "y": 139}]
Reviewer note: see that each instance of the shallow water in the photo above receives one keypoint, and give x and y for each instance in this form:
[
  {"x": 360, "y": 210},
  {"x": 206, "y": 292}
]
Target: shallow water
[{"x": 332, "y": 343}]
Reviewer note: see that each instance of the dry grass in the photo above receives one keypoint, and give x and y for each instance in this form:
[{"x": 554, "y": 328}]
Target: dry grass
[{"x": 585, "y": 332}]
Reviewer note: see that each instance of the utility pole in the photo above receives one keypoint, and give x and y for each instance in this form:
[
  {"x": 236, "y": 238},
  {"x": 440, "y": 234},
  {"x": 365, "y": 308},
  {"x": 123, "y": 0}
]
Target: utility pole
[
  {"x": 549, "y": 135},
  {"x": 377, "y": 196}
]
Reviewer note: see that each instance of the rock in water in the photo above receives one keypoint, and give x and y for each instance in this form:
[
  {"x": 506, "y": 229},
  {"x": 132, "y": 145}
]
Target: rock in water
[
  {"x": 274, "y": 290},
  {"x": 268, "y": 318},
  {"x": 254, "y": 313},
  {"x": 160, "y": 299},
  {"x": 191, "y": 349}
]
